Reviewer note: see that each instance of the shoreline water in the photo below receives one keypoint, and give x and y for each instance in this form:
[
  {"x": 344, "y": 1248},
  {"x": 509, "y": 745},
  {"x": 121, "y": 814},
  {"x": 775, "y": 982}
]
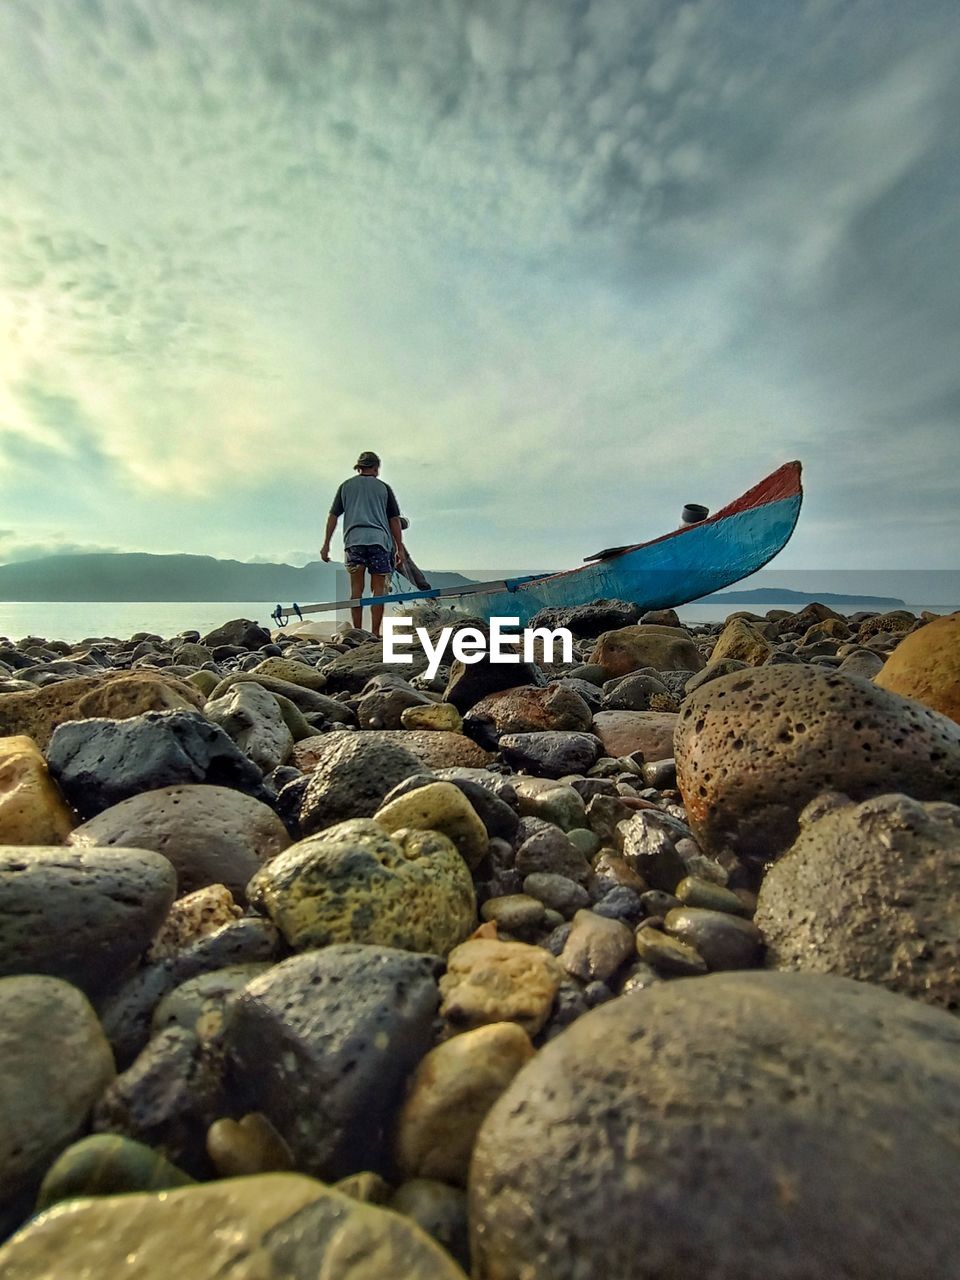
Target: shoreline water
[{"x": 73, "y": 621}]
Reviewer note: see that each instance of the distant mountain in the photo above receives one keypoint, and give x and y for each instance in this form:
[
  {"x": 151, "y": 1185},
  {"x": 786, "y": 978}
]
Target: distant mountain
[
  {"x": 138, "y": 576},
  {"x": 779, "y": 595}
]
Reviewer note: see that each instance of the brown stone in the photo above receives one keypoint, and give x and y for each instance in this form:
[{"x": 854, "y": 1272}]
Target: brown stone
[
  {"x": 623, "y": 732},
  {"x": 38, "y": 713},
  {"x": 926, "y": 666},
  {"x": 755, "y": 747},
  {"x": 526, "y": 709},
  {"x": 435, "y": 748},
  {"x": 894, "y": 623},
  {"x": 630, "y": 648},
  {"x": 194, "y": 917},
  {"x": 492, "y": 981}
]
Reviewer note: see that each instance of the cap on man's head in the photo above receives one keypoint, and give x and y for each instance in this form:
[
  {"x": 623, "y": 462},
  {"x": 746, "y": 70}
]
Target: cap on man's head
[{"x": 366, "y": 459}]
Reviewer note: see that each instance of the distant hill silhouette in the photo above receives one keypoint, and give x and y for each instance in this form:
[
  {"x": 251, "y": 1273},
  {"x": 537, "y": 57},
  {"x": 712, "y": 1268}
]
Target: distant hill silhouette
[
  {"x": 780, "y": 595},
  {"x": 139, "y": 576}
]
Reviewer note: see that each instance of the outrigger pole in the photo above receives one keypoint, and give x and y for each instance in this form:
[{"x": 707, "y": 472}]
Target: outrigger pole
[{"x": 281, "y": 615}]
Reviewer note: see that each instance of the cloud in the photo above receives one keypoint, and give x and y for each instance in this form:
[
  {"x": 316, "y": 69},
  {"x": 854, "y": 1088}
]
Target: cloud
[{"x": 624, "y": 251}]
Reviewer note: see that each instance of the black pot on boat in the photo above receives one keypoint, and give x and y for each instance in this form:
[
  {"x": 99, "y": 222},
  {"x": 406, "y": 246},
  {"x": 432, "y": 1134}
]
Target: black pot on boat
[{"x": 693, "y": 513}]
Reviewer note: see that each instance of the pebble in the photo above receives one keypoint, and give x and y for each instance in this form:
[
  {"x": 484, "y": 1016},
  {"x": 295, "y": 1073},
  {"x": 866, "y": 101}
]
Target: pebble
[
  {"x": 551, "y": 753},
  {"x": 724, "y": 941},
  {"x": 248, "y": 1146},
  {"x": 559, "y": 892},
  {"x": 249, "y": 714},
  {"x": 450, "y": 1093},
  {"x": 668, "y": 955},
  {"x": 597, "y": 947},
  {"x": 631, "y": 648},
  {"x": 107, "y": 1164},
  {"x": 492, "y": 981},
  {"x": 99, "y": 763},
  {"x": 438, "y": 806},
  {"x": 755, "y": 747}
]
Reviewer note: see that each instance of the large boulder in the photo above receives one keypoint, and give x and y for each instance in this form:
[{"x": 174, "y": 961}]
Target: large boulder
[
  {"x": 80, "y": 914},
  {"x": 732, "y": 1127},
  {"x": 872, "y": 892},
  {"x": 323, "y": 1045},
  {"x": 753, "y": 748},
  {"x": 98, "y": 763},
  {"x": 354, "y": 883},
  {"x": 630, "y": 648},
  {"x": 926, "y": 666},
  {"x": 211, "y": 835},
  {"x": 248, "y": 1228},
  {"x": 54, "y": 1063}
]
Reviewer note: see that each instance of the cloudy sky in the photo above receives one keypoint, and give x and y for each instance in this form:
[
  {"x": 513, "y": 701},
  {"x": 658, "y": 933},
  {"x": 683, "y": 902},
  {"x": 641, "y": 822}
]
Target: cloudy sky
[{"x": 566, "y": 264}]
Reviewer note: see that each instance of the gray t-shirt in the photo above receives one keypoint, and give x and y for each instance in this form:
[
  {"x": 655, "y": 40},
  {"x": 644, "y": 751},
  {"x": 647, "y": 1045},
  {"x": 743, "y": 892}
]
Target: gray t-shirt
[{"x": 367, "y": 506}]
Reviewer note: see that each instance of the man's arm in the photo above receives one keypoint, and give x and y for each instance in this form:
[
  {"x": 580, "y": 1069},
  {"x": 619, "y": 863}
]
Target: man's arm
[
  {"x": 331, "y": 525},
  {"x": 397, "y": 531}
]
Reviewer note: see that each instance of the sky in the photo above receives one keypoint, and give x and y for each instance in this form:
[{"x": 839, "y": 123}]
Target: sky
[{"x": 565, "y": 264}]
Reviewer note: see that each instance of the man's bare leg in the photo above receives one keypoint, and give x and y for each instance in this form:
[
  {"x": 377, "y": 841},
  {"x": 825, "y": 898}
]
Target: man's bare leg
[
  {"x": 378, "y": 587},
  {"x": 356, "y": 572}
]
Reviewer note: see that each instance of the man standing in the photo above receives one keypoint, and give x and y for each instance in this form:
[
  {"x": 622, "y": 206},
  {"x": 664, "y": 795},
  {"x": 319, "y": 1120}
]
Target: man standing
[{"x": 372, "y": 535}]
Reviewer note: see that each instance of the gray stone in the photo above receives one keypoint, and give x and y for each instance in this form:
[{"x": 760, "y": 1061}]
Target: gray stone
[
  {"x": 251, "y": 717},
  {"x": 352, "y": 778},
  {"x": 80, "y": 914},
  {"x": 724, "y": 941},
  {"x": 559, "y": 892},
  {"x": 167, "y": 1099},
  {"x": 872, "y": 892},
  {"x": 323, "y": 1045},
  {"x": 551, "y": 753},
  {"x": 738, "y": 1127},
  {"x": 210, "y": 835},
  {"x": 550, "y": 850}
]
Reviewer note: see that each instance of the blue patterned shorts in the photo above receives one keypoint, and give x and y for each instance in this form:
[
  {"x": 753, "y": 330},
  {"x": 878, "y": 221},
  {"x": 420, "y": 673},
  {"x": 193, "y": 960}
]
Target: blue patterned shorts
[{"x": 366, "y": 556}]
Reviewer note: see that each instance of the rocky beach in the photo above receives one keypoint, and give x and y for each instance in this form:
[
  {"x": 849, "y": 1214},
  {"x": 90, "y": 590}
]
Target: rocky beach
[{"x": 641, "y": 966}]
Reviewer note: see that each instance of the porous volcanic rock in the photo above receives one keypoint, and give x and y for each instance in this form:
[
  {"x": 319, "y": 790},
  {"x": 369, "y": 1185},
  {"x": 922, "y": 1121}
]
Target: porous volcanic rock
[
  {"x": 526, "y": 709},
  {"x": 211, "y": 835},
  {"x": 872, "y": 892},
  {"x": 926, "y": 666},
  {"x": 753, "y": 748},
  {"x": 98, "y": 763},
  {"x": 55, "y": 1064},
  {"x": 588, "y": 620},
  {"x": 323, "y": 1044},
  {"x": 470, "y": 682},
  {"x": 443, "y": 807},
  {"x": 630, "y": 648},
  {"x": 272, "y": 1224},
  {"x": 353, "y": 882},
  {"x": 749, "y": 1126},
  {"x": 551, "y": 753},
  {"x": 80, "y": 914}
]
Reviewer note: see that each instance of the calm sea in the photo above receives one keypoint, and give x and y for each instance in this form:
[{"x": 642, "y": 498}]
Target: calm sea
[{"x": 72, "y": 621}]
